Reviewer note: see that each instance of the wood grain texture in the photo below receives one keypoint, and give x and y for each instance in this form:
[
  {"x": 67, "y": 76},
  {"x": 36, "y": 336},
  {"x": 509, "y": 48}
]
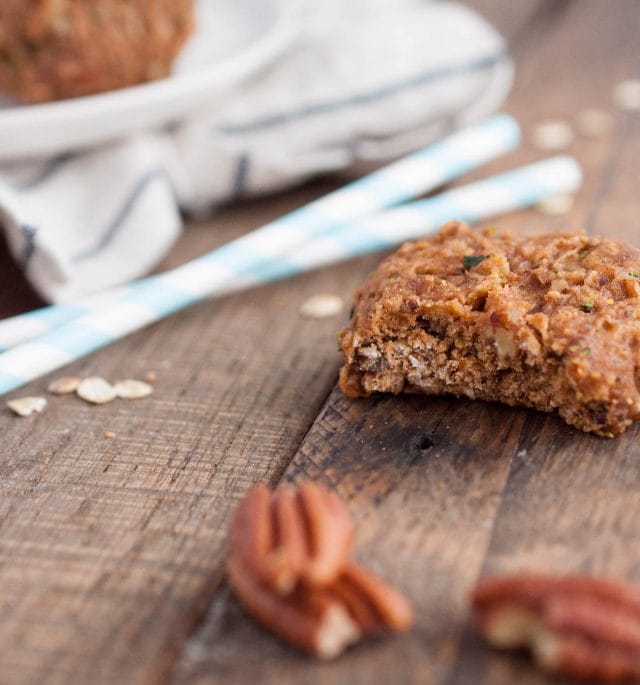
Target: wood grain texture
[
  {"x": 447, "y": 491},
  {"x": 423, "y": 480},
  {"x": 111, "y": 550}
]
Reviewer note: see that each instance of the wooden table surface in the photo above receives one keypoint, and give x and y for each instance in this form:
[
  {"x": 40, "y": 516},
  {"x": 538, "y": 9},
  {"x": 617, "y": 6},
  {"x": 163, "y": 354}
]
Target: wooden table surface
[{"x": 112, "y": 550}]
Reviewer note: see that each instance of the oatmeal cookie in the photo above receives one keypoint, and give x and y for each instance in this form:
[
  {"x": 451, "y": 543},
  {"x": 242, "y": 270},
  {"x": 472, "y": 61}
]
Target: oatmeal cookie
[
  {"x": 53, "y": 49},
  {"x": 550, "y": 322}
]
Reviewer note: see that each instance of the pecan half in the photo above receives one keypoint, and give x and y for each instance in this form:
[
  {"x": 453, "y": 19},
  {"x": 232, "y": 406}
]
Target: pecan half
[
  {"x": 579, "y": 626},
  {"x": 305, "y": 619},
  {"x": 291, "y": 535},
  {"x": 323, "y": 620},
  {"x": 373, "y": 604},
  {"x": 289, "y": 566}
]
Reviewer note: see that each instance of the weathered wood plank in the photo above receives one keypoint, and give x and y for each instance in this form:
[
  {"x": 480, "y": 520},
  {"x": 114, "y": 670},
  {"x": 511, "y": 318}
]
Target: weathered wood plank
[
  {"x": 569, "y": 55},
  {"x": 423, "y": 479},
  {"x": 110, "y": 549},
  {"x": 571, "y": 501},
  {"x": 571, "y": 504},
  {"x": 493, "y": 488}
]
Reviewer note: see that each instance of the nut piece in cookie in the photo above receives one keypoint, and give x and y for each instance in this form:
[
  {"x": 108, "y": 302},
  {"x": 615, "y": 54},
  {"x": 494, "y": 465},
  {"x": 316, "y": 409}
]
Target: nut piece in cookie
[{"x": 550, "y": 322}]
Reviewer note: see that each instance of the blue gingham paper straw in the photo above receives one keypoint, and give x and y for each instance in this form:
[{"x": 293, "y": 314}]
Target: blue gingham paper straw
[
  {"x": 515, "y": 189},
  {"x": 405, "y": 179},
  {"x": 18, "y": 329},
  {"x": 156, "y": 297},
  {"x": 506, "y": 192}
]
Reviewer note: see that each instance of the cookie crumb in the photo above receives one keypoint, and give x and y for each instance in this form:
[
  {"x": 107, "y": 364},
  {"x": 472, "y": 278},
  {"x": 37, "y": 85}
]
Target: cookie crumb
[
  {"x": 130, "y": 389},
  {"x": 594, "y": 123},
  {"x": 556, "y": 206},
  {"x": 552, "y": 134},
  {"x": 109, "y": 435},
  {"x": 25, "y": 406},
  {"x": 321, "y": 306},
  {"x": 626, "y": 95},
  {"x": 64, "y": 385},
  {"x": 96, "y": 390},
  {"x": 151, "y": 377}
]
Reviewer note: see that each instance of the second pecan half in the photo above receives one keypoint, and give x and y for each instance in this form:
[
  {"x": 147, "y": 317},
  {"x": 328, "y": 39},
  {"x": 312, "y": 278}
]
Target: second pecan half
[
  {"x": 576, "y": 625},
  {"x": 323, "y": 620},
  {"x": 288, "y": 535}
]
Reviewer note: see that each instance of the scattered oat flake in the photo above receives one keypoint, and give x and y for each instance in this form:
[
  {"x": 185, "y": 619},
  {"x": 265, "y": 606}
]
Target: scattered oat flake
[
  {"x": 110, "y": 435},
  {"x": 25, "y": 406},
  {"x": 556, "y": 206},
  {"x": 96, "y": 390},
  {"x": 626, "y": 95},
  {"x": 594, "y": 123},
  {"x": 151, "y": 377},
  {"x": 321, "y": 306},
  {"x": 130, "y": 389},
  {"x": 64, "y": 385},
  {"x": 552, "y": 134}
]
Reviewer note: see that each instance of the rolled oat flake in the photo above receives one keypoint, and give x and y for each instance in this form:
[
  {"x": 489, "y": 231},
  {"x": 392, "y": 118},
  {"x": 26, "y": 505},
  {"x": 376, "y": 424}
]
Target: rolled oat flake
[
  {"x": 130, "y": 389},
  {"x": 626, "y": 95},
  {"x": 321, "y": 306},
  {"x": 96, "y": 390},
  {"x": 594, "y": 123},
  {"x": 556, "y": 206},
  {"x": 25, "y": 406},
  {"x": 64, "y": 385},
  {"x": 552, "y": 134}
]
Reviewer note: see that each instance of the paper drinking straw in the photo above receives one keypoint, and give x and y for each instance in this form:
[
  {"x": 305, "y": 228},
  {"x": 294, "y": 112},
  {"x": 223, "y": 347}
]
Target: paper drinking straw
[
  {"x": 516, "y": 189},
  {"x": 18, "y": 329},
  {"x": 154, "y": 298},
  {"x": 407, "y": 178}
]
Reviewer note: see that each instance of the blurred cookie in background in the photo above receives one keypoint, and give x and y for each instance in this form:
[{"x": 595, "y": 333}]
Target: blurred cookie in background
[{"x": 56, "y": 49}]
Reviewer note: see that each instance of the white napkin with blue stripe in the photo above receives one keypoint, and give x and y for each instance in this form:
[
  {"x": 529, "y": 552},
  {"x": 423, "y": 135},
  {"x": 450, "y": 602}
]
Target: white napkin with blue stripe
[{"x": 365, "y": 80}]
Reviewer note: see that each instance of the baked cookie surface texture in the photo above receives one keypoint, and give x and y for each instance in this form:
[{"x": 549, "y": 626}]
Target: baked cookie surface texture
[
  {"x": 54, "y": 49},
  {"x": 550, "y": 322}
]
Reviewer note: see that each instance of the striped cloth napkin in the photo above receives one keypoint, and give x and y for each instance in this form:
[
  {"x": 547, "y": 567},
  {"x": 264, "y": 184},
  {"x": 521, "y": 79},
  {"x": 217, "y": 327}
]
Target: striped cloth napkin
[{"x": 365, "y": 80}]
